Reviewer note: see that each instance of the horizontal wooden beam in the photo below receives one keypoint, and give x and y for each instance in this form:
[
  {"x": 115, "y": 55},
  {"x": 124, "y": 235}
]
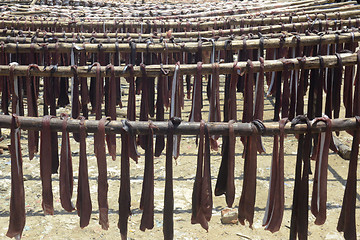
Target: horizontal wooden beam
[
  {"x": 330, "y": 61},
  {"x": 182, "y": 47},
  {"x": 184, "y": 128}
]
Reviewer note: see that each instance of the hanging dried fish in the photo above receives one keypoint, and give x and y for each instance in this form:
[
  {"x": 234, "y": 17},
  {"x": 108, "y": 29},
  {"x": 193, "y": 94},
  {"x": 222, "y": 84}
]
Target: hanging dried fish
[
  {"x": 175, "y": 107},
  {"x": 270, "y": 76},
  {"x": 259, "y": 103},
  {"x": 144, "y": 106},
  {"x": 275, "y": 205},
  {"x": 14, "y": 88},
  {"x": 17, "y": 200},
  {"x": 83, "y": 201},
  {"x": 202, "y": 193},
  {"x": 348, "y": 80},
  {"x": 225, "y": 181},
  {"x": 5, "y": 82},
  {"x": 99, "y": 91},
  {"x": 301, "y": 91},
  {"x": 49, "y": 97},
  {"x": 242, "y": 56},
  {"x": 319, "y": 89},
  {"x": 127, "y": 143},
  {"x": 188, "y": 76},
  {"x": 63, "y": 99},
  {"x": 75, "y": 104},
  {"x": 248, "y": 112},
  {"x": 84, "y": 89},
  {"x": 111, "y": 111},
  {"x": 214, "y": 111},
  {"x": 160, "y": 140},
  {"x": 66, "y": 170},
  {"x": 46, "y": 150},
  {"x": 319, "y": 193},
  {"x": 337, "y": 80},
  {"x": 147, "y": 193},
  {"x": 277, "y": 83},
  {"x": 300, "y": 212},
  {"x": 150, "y": 59},
  {"x": 248, "y": 193},
  {"x": 347, "y": 219},
  {"x": 285, "y": 97},
  {"x": 221, "y": 186},
  {"x": 294, "y": 81},
  {"x": 33, "y": 136},
  {"x": 196, "y": 103},
  {"x": 102, "y": 177},
  {"x": 75, "y": 107},
  {"x": 131, "y": 108},
  {"x": 168, "y": 220}
]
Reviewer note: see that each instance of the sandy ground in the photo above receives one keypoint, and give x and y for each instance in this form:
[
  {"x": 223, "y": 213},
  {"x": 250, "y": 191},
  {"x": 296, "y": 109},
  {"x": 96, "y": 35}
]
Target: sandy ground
[{"x": 64, "y": 225}]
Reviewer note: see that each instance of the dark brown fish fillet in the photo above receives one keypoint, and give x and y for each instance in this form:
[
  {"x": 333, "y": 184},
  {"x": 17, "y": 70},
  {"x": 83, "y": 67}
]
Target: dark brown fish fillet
[
  {"x": 147, "y": 195},
  {"x": 275, "y": 206},
  {"x": 202, "y": 193},
  {"x": 160, "y": 139},
  {"x": 124, "y": 194},
  {"x": 83, "y": 201},
  {"x": 102, "y": 176},
  {"x": 45, "y": 166},
  {"x": 66, "y": 170},
  {"x": 17, "y": 199},
  {"x": 299, "y": 215},
  {"x": 33, "y": 136},
  {"x": 111, "y": 103},
  {"x": 347, "y": 219},
  {"x": 168, "y": 220},
  {"x": 319, "y": 193}
]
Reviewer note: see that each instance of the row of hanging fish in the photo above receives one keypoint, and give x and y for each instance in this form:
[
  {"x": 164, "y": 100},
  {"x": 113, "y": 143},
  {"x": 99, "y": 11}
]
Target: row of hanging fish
[{"x": 202, "y": 197}]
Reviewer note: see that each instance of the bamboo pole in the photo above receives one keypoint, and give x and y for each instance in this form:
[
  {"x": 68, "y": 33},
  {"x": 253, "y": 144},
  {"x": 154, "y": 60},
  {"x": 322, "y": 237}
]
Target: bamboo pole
[
  {"x": 185, "y": 47},
  {"x": 255, "y": 18},
  {"x": 240, "y": 7},
  {"x": 264, "y": 29},
  {"x": 330, "y": 61},
  {"x": 104, "y": 40},
  {"x": 20, "y": 36},
  {"x": 298, "y": 9},
  {"x": 184, "y": 128},
  {"x": 241, "y": 11},
  {"x": 34, "y": 37},
  {"x": 90, "y": 25}
]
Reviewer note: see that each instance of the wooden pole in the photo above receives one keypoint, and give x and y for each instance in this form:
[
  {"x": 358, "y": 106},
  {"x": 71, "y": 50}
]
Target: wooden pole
[
  {"x": 279, "y": 14},
  {"x": 185, "y": 47},
  {"x": 330, "y": 61},
  {"x": 89, "y": 25},
  {"x": 184, "y": 128},
  {"x": 239, "y": 7},
  {"x": 238, "y": 11},
  {"x": 300, "y": 9},
  {"x": 264, "y": 29}
]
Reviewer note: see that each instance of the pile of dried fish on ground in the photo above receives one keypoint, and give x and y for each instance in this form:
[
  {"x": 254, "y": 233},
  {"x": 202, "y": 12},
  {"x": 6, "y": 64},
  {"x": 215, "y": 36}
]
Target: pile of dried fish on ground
[{"x": 81, "y": 53}]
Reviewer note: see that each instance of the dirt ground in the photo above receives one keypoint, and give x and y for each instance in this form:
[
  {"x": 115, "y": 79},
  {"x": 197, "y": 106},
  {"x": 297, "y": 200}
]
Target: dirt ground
[{"x": 64, "y": 225}]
